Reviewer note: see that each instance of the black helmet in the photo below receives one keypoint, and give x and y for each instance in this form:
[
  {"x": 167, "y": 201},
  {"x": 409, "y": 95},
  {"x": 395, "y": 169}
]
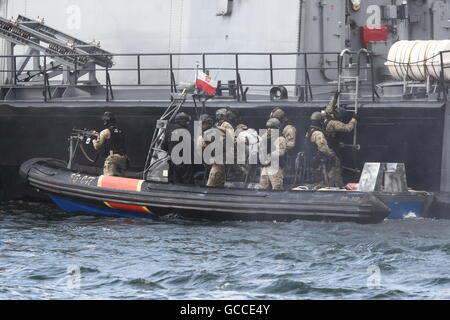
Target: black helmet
[
  {"x": 339, "y": 113},
  {"x": 108, "y": 118},
  {"x": 182, "y": 119},
  {"x": 317, "y": 119},
  {"x": 221, "y": 114},
  {"x": 279, "y": 114},
  {"x": 206, "y": 118},
  {"x": 273, "y": 123}
]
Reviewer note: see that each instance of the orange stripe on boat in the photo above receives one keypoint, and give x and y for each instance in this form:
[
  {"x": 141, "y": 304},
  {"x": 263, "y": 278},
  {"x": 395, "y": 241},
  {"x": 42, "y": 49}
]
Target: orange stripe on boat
[{"x": 122, "y": 184}]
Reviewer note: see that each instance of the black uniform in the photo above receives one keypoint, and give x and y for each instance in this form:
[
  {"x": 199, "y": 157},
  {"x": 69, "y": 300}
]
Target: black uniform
[{"x": 184, "y": 172}]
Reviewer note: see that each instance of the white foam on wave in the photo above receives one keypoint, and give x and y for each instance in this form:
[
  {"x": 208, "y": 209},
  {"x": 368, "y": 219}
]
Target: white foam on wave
[{"x": 410, "y": 215}]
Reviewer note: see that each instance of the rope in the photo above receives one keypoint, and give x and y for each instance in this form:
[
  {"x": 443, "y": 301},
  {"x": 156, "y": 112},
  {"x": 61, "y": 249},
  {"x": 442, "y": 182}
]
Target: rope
[{"x": 85, "y": 154}]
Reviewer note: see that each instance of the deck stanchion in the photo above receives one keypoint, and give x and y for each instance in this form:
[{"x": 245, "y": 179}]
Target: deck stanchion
[
  {"x": 305, "y": 63},
  {"x": 236, "y": 59},
  {"x": 76, "y": 70},
  {"x": 45, "y": 77},
  {"x": 14, "y": 66},
  {"x": 139, "y": 68},
  {"x": 443, "y": 86},
  {"x": 203, "y": 63},
  {"x": 271, "y": 69},
  {"x": 107, "y": 88},
  {"x": 172, "y": 76}
]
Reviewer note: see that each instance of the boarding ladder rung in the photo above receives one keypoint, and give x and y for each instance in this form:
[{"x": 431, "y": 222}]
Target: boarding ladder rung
[{"x": 349, "y": 79}]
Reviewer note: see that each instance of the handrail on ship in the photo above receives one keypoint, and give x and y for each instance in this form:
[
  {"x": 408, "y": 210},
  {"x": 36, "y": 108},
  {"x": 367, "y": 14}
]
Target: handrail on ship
[
  {"x": 237, "y": 66},
  {"x": 443, "y": 83}
]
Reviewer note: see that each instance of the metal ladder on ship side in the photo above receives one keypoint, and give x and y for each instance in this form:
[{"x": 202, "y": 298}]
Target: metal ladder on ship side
[{"x": 355, "y": 79}]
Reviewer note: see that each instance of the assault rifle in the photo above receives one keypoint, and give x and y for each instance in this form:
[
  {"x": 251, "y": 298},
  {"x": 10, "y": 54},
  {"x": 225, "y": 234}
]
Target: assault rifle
[
  {"x": 84, "y": 134},
  {"x": 334, "y": 101}
]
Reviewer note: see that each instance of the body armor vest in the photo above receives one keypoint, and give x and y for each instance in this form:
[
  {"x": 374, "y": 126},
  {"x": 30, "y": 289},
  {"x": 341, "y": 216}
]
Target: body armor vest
[
  {"x": 313, "y": 155},
  {"x": 116, "y": 143},
  {"x": 332, "y": 140},
  {"x": 268, "y": 143}
]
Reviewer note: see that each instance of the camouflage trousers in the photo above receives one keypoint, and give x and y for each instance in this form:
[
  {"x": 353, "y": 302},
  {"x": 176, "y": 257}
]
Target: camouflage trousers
[
  {"x": 324, "y": 176},
  {"x": 335, "y": 175},
  {"x": 216, "y": 176},
  {"x": 114, "y": 165},
  {"x": 275, "y": 180}
]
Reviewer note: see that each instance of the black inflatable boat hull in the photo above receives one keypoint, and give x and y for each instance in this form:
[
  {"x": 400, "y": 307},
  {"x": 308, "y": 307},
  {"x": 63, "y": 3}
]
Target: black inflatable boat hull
[{"x": 78, "y": 192}]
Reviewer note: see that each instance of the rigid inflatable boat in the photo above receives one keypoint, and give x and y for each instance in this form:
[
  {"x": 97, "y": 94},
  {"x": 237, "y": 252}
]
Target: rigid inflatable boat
[{"x": 75, "y": 191}]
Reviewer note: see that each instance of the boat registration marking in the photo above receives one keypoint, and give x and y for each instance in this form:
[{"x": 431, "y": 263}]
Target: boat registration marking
[
  {"x": 81, "y": 179},
  {"x": 346, "y": 198}
]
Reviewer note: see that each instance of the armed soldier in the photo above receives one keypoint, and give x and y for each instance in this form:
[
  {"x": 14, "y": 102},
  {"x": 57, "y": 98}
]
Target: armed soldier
[
  {"x": 223, "y": 126},
  {"x": 207, "y": 123},
  {"x": 272, "y": 177},
  {"x": 238, "y": 171},
  {"x": 112, "y": 140},
  {"x": 222, "y": 120},
  {"x": 320, "y": 157},
  {"x": 287, "y": 130},
  {"x": 334, "y": 119},
  {"x": 179, "y": 172},
  {"x": 333, "y": 124}
]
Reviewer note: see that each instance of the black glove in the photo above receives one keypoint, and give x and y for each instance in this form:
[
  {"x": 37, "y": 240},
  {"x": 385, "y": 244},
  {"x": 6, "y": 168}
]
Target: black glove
[{"x": 336, "y": 95}]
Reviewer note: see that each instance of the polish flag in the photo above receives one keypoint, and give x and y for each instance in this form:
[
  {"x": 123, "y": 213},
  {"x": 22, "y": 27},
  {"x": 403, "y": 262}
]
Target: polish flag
[{"x": 206, "y": 83}]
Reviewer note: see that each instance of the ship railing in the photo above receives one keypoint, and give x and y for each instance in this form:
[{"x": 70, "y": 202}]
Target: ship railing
[
  {"x": 299, "y": 74},
  {"x": 444, "y": 56}
]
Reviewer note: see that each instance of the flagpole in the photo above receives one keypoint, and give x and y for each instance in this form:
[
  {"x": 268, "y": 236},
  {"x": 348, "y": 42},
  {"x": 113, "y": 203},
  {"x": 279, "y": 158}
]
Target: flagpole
[
  {"x": 196, "y": 73},
  {"x": 195, "y": 83}
]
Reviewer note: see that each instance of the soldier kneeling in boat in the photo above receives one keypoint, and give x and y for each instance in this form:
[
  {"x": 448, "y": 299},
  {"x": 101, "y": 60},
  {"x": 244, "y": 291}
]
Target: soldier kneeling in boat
[
  {"x": 112, "y": 140},
  {"x": 272, "y": 175}
]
